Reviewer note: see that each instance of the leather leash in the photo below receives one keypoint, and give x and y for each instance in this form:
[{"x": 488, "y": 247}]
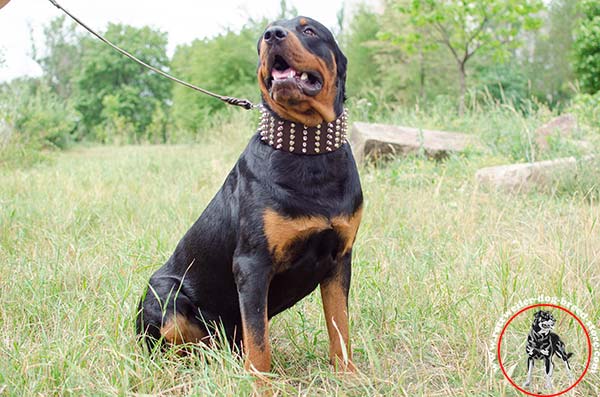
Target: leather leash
[{"x": 244, "y": 103}]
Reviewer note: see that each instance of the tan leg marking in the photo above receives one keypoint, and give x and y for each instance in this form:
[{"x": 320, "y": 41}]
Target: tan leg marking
[
  {"x": 335, "y": 305},
  {"x": 257, "y": 354},
  {"x": 178, "y": 330}
]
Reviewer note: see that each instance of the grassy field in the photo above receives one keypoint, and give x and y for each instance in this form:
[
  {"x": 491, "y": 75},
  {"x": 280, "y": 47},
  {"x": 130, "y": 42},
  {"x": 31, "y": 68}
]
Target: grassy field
[{"x": 437, "y": 262}]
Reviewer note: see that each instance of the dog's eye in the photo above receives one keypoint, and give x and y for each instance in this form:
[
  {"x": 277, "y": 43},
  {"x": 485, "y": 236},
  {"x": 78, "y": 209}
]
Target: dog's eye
[{"x": 309, "y": 32}]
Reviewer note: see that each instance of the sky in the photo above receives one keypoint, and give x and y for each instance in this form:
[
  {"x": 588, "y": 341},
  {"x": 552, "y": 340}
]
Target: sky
[{"x": 183, "y": 20}]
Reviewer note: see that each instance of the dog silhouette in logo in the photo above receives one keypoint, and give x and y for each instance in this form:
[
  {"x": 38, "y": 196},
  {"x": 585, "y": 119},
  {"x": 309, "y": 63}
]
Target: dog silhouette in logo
[{"x": 543, "y": 344}]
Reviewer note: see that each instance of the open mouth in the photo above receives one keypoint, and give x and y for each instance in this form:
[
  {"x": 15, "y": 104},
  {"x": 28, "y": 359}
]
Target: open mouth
[{"x": 282, "y": 73}]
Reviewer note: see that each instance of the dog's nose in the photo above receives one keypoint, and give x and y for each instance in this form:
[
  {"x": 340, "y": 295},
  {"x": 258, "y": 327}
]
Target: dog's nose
[{"x": 275, "y": 34}]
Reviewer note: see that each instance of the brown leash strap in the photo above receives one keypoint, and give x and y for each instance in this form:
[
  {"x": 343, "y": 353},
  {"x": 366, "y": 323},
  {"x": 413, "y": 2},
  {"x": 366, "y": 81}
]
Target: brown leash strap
[{"x": 246, "y": 104}]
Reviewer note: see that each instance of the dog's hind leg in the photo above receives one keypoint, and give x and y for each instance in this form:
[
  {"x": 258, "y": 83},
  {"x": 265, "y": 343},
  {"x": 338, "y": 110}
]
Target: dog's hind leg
[
  {"x": 562, "y": 353},
  {"x": 568, "y": 367},
  {"x": 530, "y": 363},
  {"x": 166, "y": 314}
]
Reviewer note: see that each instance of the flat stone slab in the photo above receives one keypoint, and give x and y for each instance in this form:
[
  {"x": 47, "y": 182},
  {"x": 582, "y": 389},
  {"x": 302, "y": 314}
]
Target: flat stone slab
[
  {"x": 375, "y": 140},
  {"x": 564, "y": 125},
  {"x": 523, "y": 177}
]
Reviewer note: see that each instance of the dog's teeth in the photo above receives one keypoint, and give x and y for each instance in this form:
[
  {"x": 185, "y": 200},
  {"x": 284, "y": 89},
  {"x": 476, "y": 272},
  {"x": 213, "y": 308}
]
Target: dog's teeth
[
  {"x": 292, "y": 73},
  {"x": 304, "y": 76}
]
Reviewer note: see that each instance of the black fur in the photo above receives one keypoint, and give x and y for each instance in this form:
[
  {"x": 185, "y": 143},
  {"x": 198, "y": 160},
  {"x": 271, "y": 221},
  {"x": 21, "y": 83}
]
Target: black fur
[
  {"x": 223, "y": 263},
  {"x": 542, "y": 344}
]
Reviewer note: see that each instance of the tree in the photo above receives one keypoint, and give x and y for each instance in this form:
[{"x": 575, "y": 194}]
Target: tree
[
  {"x": 225, "y": 64},
  {"x": 587, "y": 47},
  {"x": 62, "y": 55},
  {"x": 36, "y": 114},
  {"x": 467, "y": 27},
  {"x": 286, "y": 11},
  {"x": 108, "y": 78},
  {"x": 548, "y": 65},
  {"x": 362, "y": 73},
  {"x": 412, "y": 61}
]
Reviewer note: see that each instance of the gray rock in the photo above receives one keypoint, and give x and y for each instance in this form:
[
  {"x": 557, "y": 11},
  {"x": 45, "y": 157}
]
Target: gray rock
[
  {"x": 525, "y": 176},
  {"x": 375, "y": 140},
  {"x": 564, "y": 126}
]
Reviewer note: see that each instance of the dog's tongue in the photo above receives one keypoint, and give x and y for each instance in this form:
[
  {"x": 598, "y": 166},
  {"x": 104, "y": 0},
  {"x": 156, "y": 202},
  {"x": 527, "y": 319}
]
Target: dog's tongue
[{"x": 283, "y": 74}]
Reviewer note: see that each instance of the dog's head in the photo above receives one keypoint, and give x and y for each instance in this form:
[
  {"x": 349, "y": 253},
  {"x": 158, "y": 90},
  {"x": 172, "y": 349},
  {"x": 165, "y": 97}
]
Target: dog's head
[
  {"x": 301, "y": 71},
  {"x": 543, "y": 322}
]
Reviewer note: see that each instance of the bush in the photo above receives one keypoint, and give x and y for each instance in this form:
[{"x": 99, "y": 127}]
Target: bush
[
  {"x": 505, "y": 83},
  {"x": 587, "y": 47},
  {"x": 107, "y": 78},
  {"x": 225, "y": 64},
  {"x": 587, "y": 109},
  {"x": 37, "y": 116}
]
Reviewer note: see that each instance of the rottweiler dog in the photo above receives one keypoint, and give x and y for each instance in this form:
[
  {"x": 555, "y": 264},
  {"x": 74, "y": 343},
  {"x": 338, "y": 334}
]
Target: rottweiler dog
[
  {"x": 284, "y": 221},
  {"x": 543, "y": 344}
]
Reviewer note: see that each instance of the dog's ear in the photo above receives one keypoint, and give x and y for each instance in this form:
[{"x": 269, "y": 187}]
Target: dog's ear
[
  {"x": 537, "y": 314},
  {"x": 258, "y": 43},
  {"x": 342, "y": 65}
]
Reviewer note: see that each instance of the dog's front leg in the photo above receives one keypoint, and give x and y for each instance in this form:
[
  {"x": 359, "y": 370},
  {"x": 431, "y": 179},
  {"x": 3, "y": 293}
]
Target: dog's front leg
[
  {"x": 334, "y": 293},
  {"x": 252, "y": 277},
  {"x": 549, "y": 370},
  {"x": 530, "y": 363}
]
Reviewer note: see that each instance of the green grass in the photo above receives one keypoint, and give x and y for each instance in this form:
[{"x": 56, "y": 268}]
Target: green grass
[{"x": 437, "y": 261}]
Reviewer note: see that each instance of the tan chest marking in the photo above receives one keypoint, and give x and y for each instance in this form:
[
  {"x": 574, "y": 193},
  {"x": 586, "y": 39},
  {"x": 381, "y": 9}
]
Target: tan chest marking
[
  {"x": 281, "y": 231},
  {"x": 347, "y": 227}
]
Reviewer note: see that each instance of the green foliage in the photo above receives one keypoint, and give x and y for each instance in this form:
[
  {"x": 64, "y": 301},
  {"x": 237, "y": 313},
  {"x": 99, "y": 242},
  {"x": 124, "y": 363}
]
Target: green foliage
[
  {"x": 505, "y": 129},
  {"x": 33, "y": 119},
  {"x": 360, "y": 50},
  {"x": 587, "y": 47},
  {"x": 408, "y": 55},
  {"x": 108, "y": 79},
  {"x": 36, "y": 115},
  {"x": 587, "y": 109},
  {"x": 286, "y": 11},
  {"x": 225, "y": 64},
  {"x": 548, "y": 63},
  {"x": 62, "y": 56},
  {"x": 504, "y": 82},
  {"x": 412, "y": 68},
  {"x": 466, "y": 27}
]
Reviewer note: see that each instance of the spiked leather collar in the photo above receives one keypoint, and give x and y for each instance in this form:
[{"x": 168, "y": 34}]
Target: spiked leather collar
[{"x": 296, "y": 138}]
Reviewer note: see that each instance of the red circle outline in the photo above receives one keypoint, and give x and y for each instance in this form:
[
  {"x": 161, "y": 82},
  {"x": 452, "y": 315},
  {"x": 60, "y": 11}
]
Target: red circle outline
[{"x": 589, "y": 342}]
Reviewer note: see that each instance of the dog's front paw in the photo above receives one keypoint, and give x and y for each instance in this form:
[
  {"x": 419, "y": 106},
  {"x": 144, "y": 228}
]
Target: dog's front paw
[
  {"x": 343, "y": 366},
  {"x": 527, "y": 383},
  {"x": 529, "y": 350}
]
